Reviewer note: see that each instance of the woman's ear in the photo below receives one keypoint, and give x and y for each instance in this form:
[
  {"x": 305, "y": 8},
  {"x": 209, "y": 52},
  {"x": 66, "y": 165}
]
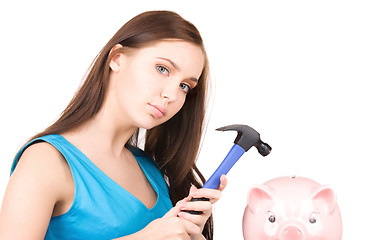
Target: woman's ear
[{"x": 115, "y": 62}]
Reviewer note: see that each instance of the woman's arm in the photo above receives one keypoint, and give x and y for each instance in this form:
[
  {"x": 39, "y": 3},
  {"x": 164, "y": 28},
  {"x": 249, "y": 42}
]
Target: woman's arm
[{"x": 36, "y": 185}]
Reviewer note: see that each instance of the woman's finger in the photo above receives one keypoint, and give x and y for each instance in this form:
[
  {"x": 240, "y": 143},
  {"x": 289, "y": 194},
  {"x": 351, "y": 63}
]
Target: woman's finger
[
  {"x": 173, "y": 212},
  {"x": 198, "y": 220},
  {"x": 211, "y": 194},
  {"x": 205, "y": 207},
  {"x": 223, "y": 183}
]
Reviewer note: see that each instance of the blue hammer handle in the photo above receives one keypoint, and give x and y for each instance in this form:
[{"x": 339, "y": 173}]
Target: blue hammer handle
[{"x": 231, "y": 158}]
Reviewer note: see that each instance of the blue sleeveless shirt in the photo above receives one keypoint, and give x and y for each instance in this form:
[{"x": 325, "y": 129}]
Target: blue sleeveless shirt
[{"x": 101, "y": 208}]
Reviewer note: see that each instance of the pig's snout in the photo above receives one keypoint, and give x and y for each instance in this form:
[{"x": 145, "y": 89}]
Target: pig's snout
[{"x": 291, "y": 232}]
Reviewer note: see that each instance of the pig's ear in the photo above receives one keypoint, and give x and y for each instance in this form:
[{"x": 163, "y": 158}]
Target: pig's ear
[
  {"x": 325, "y": 197},
  {"x": 258, "y": 194}
]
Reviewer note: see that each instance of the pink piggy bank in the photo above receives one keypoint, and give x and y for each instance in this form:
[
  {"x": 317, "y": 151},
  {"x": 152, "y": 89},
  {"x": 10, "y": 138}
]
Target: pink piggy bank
[{"x": 292, "y": 208}]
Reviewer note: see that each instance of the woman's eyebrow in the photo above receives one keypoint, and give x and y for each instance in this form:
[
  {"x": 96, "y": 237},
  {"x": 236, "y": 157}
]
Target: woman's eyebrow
[
  {"x": 171, "y": 62},
  {"x": 176, "y": 67}
]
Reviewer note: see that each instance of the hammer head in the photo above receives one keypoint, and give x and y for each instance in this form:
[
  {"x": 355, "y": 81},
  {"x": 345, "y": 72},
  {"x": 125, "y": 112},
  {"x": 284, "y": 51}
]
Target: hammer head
[{"x": 248, "y": 137}]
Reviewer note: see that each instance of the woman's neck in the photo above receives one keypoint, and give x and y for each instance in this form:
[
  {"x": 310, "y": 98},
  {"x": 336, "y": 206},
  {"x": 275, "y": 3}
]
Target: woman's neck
[{"x": 103, "y": 135}]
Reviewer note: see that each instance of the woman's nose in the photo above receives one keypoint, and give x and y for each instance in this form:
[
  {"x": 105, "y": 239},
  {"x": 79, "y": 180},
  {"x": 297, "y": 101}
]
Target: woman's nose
[{"x": 170, "y": 92}]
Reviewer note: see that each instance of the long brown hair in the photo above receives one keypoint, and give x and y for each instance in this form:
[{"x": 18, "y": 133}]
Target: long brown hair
[{"x": 174, "y": 145}]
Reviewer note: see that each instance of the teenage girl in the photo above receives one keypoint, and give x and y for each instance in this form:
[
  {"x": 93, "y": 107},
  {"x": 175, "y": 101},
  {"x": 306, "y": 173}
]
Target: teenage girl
[{"x": 84, "y": 176}]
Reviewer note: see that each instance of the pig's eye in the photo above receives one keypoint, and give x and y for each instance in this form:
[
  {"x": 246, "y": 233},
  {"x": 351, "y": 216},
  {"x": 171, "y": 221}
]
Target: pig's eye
[
  {"x": 313, "y": 218},
  {"x": 271, "y": 217}
]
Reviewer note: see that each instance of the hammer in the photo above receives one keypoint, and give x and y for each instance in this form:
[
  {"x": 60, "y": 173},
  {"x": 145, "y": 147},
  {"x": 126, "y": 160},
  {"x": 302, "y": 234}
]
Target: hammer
[{"x": 247, "y": 137}]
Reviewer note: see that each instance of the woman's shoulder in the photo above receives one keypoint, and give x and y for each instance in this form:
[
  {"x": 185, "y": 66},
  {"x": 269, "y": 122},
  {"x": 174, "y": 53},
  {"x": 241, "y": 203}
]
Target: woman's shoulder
[
  {"x": 41, "y": 153},
  {"x": 43, "y": 160}
]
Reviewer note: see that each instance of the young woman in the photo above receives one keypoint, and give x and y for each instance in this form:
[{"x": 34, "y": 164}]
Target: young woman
[{"x": 84, "y": 176}]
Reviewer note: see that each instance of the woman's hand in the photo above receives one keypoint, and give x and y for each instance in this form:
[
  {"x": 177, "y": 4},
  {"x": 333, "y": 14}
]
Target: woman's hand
[
  {"x": 202, "y": 206},
  {"x": 169, "y": 227},
  {"x": 181, "y": 225}
]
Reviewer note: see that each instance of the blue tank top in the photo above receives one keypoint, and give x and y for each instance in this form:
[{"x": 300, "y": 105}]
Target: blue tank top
[{"x": 101, "y": 208}]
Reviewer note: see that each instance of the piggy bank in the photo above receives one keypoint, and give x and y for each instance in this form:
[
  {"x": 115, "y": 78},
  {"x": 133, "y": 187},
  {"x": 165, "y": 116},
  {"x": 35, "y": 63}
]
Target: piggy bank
[{"x": 292, "y": 208}]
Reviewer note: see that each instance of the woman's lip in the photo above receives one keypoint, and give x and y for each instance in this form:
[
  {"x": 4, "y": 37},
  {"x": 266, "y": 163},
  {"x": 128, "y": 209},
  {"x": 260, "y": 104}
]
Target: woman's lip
[{"x": 158, "y": 111}]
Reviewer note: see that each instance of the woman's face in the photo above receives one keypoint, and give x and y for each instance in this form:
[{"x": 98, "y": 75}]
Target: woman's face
[{"x": 149, "y": 85}]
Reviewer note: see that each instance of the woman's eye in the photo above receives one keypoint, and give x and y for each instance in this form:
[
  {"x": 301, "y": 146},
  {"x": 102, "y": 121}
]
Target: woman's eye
[
  {"x": 186, "y": 88},
  {"x": 162, "y": 70}
]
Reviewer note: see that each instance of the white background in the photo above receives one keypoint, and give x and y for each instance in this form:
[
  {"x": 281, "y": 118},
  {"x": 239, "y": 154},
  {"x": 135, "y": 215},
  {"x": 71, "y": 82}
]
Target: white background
[{"x": 296, "y": 71}]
